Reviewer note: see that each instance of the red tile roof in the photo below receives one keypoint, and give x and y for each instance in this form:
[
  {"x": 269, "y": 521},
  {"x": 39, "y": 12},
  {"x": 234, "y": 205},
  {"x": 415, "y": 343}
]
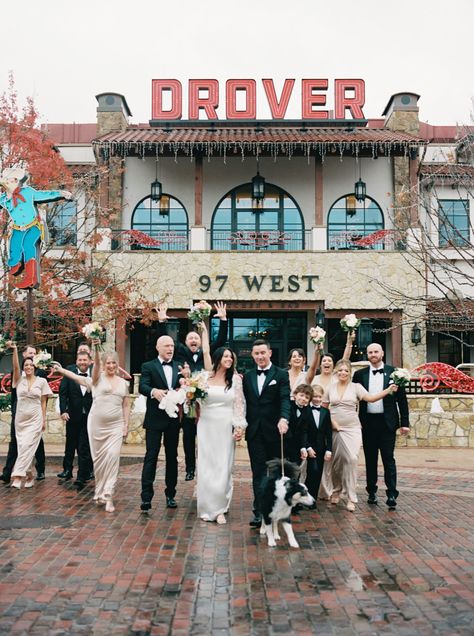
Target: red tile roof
[
  {"x": 448, "y": 171},
  {"x": 275, "y": 140},
  {"x": 70, "y": 133}
]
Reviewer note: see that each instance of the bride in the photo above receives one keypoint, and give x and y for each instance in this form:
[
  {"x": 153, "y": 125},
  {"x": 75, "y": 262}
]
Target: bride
[{"x": 221, "y": 423}]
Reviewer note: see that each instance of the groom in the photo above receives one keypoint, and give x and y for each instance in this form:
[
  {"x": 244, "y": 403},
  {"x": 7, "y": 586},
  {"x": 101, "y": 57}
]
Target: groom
[
  {"x": 158, "y": 377},
  {"x": 267, "y": 393}
]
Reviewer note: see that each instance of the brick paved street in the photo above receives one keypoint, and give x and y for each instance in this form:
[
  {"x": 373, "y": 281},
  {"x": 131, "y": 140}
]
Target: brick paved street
[{"x": 71, "y": 568}]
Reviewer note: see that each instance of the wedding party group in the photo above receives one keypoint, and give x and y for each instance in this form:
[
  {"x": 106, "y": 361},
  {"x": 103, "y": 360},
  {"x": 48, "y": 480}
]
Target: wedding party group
[{"x": 317, "y": 416}]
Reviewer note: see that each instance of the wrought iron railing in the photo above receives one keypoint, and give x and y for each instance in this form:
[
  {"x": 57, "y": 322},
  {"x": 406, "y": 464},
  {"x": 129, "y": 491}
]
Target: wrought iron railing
[
  {"x": 365, "y": 240},
  {"x": 164, "y": 240},
  {"x": 261, "y": 240}
]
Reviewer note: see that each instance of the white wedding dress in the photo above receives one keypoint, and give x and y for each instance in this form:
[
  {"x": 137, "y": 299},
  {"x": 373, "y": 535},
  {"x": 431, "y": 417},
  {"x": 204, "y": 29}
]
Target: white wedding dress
[{"x": 221, "y": 411}]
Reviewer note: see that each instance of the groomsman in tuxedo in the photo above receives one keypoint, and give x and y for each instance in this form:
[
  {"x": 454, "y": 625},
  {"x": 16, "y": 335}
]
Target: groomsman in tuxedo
[
  {"x": 267, "y": 393},
  {"x": 158, "y": 377},
  {"x": 74, "y": 404},
  {"x": 191, "y": 353},
  {"x": 380, "y": 421},
  {"x": 318, "y": 443},
  {"x": 40, "y": 457}
]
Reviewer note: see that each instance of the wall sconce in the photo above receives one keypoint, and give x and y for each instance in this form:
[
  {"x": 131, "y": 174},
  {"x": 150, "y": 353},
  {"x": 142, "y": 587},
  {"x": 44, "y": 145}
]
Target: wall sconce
[
  {"x": 351, "y": 205},
  {"x": 156, "y": 189},
  {"x": 416, "y": 334},
  {"x": 360, "y": 190},
  {"x": 320, "y": 318},
  {"x": 164, "y": 205}
]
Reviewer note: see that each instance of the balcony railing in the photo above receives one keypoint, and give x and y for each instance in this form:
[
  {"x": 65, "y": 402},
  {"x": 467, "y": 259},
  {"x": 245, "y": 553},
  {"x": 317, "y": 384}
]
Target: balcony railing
[
  {"x": 262, "y": 240},
  {"x": 365, "y": 240},
  {"x": 164, "y": 240}
]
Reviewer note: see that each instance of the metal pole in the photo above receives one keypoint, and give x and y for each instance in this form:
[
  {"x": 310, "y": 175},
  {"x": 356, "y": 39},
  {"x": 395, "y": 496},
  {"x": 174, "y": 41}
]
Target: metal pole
[{"x": 29, "y": 317}]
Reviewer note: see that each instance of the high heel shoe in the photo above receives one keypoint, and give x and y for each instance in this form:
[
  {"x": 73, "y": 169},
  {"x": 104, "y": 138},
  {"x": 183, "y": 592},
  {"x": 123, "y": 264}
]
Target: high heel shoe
[
  {"x": 221, "y": 520},
  {"x": 350, "y": 506},
  {"x": 16, "y": 483},
  {"x": 29, "y": 483},
  {"x": 109, "y": 506},
  {"x": 334, "y": 499}
]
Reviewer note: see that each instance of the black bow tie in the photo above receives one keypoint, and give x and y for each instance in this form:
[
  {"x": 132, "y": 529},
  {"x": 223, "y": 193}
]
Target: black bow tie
[
  {"x": 83, "y": 374},
  {"x": 375, "y": 371},
  {"x": 315, "y": 408},
  {"x": 169, "y": 364},
  {"x": 264, "y": 371}
]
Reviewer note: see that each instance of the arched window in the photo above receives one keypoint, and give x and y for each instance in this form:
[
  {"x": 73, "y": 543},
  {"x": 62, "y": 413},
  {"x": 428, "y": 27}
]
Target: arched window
[
  {"x": 159, "y": 225},
  {"x": 277, "y": 224},
  {"x": 350, "y": 221}
]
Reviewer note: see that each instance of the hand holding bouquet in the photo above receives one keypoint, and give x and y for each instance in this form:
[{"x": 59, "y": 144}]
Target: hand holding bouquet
[
  {"x": 196, "y": 388},
  {"x": 43, "y": 360},
  {"x": 94, "y": 331},
  {"x": 350, "y": 322},
  {"x": 199, "y": 312},
  {"x": 317, "y": 335},
  {"x": 400, "y": 377}
]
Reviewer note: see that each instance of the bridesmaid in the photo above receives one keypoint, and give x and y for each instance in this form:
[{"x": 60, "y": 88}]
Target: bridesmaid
[
  {"x": 296, "y": 363},
  {"x": 108, "y": 422},
  {"x": 30, "y": 417},
  {"x": 342, "y": 398}
]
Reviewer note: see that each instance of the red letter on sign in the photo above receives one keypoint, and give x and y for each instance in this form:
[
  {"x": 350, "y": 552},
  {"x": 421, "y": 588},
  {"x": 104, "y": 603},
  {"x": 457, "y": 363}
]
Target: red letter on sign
[
  {"x": 354, "y": 104},
  {"x": 278, "y": 109},
  {"x": 157, "y": 89},
  {"x": 231, "y": 88},
  {"x": 308, "y": 99},
  {"x": 209, "y": 103}
]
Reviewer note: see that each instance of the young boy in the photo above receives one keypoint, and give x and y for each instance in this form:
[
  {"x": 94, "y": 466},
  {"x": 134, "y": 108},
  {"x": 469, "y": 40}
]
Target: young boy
[
  {"x": 319, "y": 442},
  {"x": 299, "y": 422}
]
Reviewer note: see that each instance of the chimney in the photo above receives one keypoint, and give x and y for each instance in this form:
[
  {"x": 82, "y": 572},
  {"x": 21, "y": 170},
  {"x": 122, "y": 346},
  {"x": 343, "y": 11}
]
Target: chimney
[
  {"x": 401, "y": 113},
  {"x": 112, "y": 113}
]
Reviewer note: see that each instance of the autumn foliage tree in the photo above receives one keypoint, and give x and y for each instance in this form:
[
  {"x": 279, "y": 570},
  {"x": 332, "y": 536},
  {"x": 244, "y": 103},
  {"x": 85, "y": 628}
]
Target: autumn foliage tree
[{"x": 73, "y": 287}]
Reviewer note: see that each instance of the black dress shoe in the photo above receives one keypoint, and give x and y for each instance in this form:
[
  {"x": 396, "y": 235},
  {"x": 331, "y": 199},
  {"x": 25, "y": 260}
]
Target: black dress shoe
[
  {"x": 189, "y": 475},
  {"x": 171, "y": 502},
  {"x": 145, "y": 506},
  {"x": 79, "y": 484},
  {"x": 66, "y": 474},
  {"x": 91, "y": 476},
  {"x": 5, "y": 478},
  {"x": 40, "y": 477},
  {"x": 256, "y": 522},
  {"x": 391, "y": 503},
  {"x": 372, "y": 499}
]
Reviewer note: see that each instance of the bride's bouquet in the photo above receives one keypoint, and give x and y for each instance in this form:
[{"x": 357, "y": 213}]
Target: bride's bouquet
[
  {"x": 317, "y": 335},
  {"x": 350, "y": 322},
  {"x": 171, "y": 401},
  {"x": 196, "y": 388},
  {"x": 43, "y": 360},
  {"x": 94, "y": 331},
  {"x": 199, "y": 312},
  {"x": 401, "y": 377}
]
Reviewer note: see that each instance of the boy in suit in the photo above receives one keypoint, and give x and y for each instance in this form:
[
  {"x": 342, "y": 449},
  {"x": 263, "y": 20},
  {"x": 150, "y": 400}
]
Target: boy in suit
[
  {"x": 299, "y": 422},
  {"x": 267, "y": 394},
  {"x": 319, "y": 442}
]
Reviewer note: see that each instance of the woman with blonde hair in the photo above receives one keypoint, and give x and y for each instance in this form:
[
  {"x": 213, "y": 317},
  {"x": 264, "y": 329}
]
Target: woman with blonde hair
[
  {"x": 108, "y": 421},
  {"x": 342, "y": 398}
]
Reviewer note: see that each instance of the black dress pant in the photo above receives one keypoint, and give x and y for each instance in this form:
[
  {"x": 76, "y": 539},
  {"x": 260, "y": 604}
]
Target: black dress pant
[
  {"x": 12, "y": 454},
  {"x": 260, "y": 451},
  {"x": 153, "y": 444},
  {"x": 315, "y": 466},
  {"x": 189, "y": 442},
  {"x": 77, "y": 439},
  {"x": 377, "y": 436}
]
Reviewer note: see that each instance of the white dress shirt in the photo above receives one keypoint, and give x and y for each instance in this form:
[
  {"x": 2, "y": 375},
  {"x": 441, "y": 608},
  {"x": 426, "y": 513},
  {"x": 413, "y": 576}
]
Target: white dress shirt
[
  {"x": 261, "y": 378},
  {"x": 375, "y": 386},
  {"x": 168, "y": 371}
]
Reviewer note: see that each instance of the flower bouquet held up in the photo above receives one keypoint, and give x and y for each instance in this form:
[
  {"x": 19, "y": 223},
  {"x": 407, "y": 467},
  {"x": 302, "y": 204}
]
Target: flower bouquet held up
[
  {"x": 3, "y": 343},
  {"x": 350, "y": 322},
  {"x": 43, "y": 360},
  {"x": 317, "y": 335},
  {"x": 199, "y": 312},
  {"x": 94, "y": 331},
  {"x": 400, "y": 377},
  {"x": 196, "y": 388}
]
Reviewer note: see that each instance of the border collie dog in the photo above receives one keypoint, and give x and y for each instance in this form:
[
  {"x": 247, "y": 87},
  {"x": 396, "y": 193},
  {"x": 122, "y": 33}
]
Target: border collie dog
[{"x": 280, "y": 492}]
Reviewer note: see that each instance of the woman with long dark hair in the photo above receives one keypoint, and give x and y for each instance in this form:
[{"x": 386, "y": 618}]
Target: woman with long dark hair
[{"x": 221, "y": 423}]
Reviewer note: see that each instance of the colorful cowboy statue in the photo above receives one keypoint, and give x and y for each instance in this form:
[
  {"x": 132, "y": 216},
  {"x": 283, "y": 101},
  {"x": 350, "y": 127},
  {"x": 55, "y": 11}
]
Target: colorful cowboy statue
[{"x": 28, "y": 228}]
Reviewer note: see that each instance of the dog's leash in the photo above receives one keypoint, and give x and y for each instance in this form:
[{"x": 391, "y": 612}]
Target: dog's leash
[{"x": 282, "y": 455}]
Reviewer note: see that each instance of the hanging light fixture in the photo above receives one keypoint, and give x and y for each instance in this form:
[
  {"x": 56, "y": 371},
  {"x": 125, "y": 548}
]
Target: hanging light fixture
[
  {"x": 360, "y": 187},
  {"x": 156, "y": 189},
  {"x": 164, "y": 205},
  {"x": 416, "y": 334},
  {"x": 320, "y": 318},
  {"x": 258, "y": 191}
]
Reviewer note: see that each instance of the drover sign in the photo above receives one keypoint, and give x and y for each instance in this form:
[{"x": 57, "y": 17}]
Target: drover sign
[{"x": 241, "y": 98}]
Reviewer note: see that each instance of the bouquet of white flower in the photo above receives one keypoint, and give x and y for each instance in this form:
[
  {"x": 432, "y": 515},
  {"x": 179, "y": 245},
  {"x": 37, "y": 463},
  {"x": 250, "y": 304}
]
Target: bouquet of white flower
[
  {"x": 196, "y": 388},
  {"x": 43, "y": 360},
  {"x": 199, "y": 312},
  {"x": 401, "y": 377},
  {"x": 171, "y": 401},
  {"x": 3, "y": 343},
  {"x": 94, "y": 331},
  {"x": 317, "y": 335},
  {"x": 350, "y": 322}
]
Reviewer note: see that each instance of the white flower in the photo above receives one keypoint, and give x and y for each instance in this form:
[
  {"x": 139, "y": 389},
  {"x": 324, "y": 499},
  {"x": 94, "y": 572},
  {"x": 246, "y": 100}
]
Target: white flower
[
  {"x": 400, "y": 376},
  {"x": 317, "y": 335},
  {"x": 349, "y": 322},
  {"x": 93, "y": 330},
  {"x": 42, "y": 360}
]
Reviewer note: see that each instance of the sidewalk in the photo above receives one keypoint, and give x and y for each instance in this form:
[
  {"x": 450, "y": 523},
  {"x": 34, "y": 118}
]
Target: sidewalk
[{"x": 68, "y": 567}]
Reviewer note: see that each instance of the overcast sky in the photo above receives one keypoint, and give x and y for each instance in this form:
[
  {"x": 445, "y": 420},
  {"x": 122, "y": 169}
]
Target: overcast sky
[{"x": 64, "y": 53}]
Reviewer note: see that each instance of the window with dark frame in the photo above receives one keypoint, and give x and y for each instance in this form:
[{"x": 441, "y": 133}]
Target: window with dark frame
[
  {"x": 157, "y": 227},
  {"x": 454, "y": 223},
  {"x": 62, "y": 223},
  {"x": 350, "y": 220}
]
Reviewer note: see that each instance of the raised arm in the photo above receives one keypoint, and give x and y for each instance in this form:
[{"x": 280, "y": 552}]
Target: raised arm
[
  {"x": 71, "y": 375},
  {"x": 315, "y": 362},
  {"x": 351, "y": 335},
  {"x": 16, "y": 374},
  {"x": 96, "y": 364},
  {"x": 206, "y": 350},
  {"x": 220, "y": 341}
]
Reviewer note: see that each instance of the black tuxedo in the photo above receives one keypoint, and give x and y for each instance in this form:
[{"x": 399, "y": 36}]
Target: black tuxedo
[
  {"x": 295, "y": 439},
  {"x": 319, "y": 438},
  {"x": 157, "y": 425},
  {"x": 183, "y": 354},
  {"x": 378, "y": 431},
  {"x": 263, "y": 413},
  {"x": 12, "y": 453},
  {"x": 77, "y": 406}
]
